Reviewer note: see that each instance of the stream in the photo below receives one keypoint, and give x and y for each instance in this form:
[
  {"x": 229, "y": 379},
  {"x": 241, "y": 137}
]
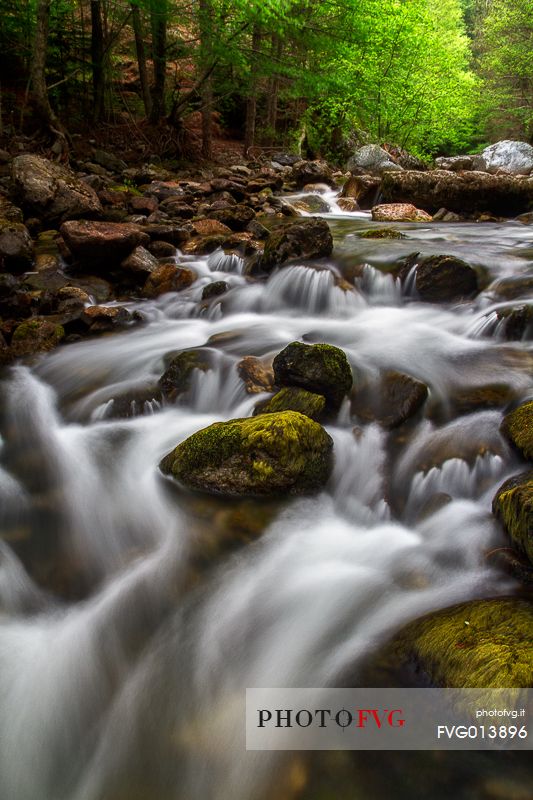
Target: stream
[{"x": 133, "y": 614}]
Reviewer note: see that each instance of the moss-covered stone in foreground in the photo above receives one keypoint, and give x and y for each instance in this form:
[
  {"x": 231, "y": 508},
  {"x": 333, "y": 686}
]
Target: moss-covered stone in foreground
[
  {"x": 480, "y": 644},
  {"x": 513, "y": 505},
  {"x": 518, "y": 427},
  {"x": 270, "y": 454}
]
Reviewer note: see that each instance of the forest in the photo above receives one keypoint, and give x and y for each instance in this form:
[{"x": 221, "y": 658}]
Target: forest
[{"x": 173, "y": 76}]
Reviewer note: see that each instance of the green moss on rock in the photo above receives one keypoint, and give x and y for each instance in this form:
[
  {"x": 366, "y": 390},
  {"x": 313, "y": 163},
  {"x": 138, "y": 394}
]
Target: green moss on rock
[
  {"x": 480, "y": 644},
  {"x": 293, "y": 399},
  {"x": 177, "y": 377},
  {"x": 513, "y": 505},
  {"x": 273, "y": 453},
  {"x": 518, "y": 427},
  {"x": 319, "y": 368},
  {"x": 381, "y": 233}
]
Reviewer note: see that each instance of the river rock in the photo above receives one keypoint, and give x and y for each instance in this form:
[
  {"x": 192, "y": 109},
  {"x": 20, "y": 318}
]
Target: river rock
[
  {"x": 256, "y": 374},
  {"x": 235, "y": 217},
  {"x": 291, "y": 398},
  {"x": 168, "y": 278},
  {"x": 514, "y": 157},
  {"x": 463, "y": 192},
  {"x": 445, "y": 279},
  {"x": 52, "y": 192},
  {"x": 141, "y": 262},
  {"x": 392, "y": 401},
  {"x": 103, "y": 242},
  {"x": 513, "y": 506},
  {"x": 177, "y": 377},
  {"x": 517, "y": 426},
  {"x": 16, "y": 247},
  {"x": 371, "y": 159},
  {"x": 459, "y": 163},
  {"x": 210, "y": 227},
  {"x": 214, "y": 290},
  {"x": 37, "y": 335},
  {"x": 319, "y": 368},
  {"x": 517, "y": 322},
  {"x": 161, "y": 249},
  {"x": 10, "y": 212},
  {"x": 109, "y": 161},
  {"x": 305, "y": 172},
  {"x": 283, "y": 453},
  {"x": 348, "y": 204},
  {"x": 362, "y": 188},
  {"x": 479, "y": 644},
  {"x": 101, "y": 319},
  {"x": 174, "y": 234},
  {"x": 305, "y": 238},
  {"x": 381, "y": 233},
  {"x": 312, "y": 203},
  {"x": 399, "y": 212}
]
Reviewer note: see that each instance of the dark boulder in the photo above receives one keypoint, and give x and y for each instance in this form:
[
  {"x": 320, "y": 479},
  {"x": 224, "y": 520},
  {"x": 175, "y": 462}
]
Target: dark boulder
[
  {"x": 305, "y": 172},
  {"x": 16, "y": 247},
  {"x": 303, "y": 239},
  {"x": 513, "y": 506},
  {"x": 319, "y": 368},
  {"x": 445, "y": 279},
  {"x": 394, "y": 399}
]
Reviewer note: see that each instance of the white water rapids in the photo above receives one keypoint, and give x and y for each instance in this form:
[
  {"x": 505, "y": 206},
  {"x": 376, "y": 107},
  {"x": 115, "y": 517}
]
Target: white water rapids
[{"x": 121, "y": 676}]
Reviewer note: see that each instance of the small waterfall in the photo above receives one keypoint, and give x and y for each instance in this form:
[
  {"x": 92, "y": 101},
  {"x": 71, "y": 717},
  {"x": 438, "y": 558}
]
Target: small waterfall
[
  {"x": 380, "y": 288},
  {"x": 219, "y": 261}
]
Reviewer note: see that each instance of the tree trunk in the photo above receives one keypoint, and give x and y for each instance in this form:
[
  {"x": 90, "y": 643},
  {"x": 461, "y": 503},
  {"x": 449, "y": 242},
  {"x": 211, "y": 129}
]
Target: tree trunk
[
  {"x": 159, "y": 47},
  {"x": 141, "y": 58},
  {"x": 273, "y": 89},
  {"x": 97, "y": 58},
  {"x": 40, "y": 99},
  {"x": 206, "y": 32},
  {"x": 251, "y": 103}
]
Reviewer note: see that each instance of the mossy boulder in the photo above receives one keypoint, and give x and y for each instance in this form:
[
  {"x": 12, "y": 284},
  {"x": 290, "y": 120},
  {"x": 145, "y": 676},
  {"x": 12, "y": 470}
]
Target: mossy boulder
[
  {"x": 16, "y": 246},
  {"x": 517, "y": 426},
  {"x": 513, "y": 505},
  {"x": 177, "y": 377},
  {"x": 283, "y": 453},
  {"x": 305, "y": 238},
  {"x": 291, "y": 398},
  {"x": 445, "y": 279},
  {"x": 479, "y": 644},
  {"x": 319, "y": 368},
  {"x": 37, "y": 335},
  {"x": 381, "y": 233}
]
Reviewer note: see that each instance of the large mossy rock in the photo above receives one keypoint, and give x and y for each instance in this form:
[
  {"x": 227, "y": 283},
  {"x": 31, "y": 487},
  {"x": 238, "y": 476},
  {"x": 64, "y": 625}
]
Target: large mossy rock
[
  {"x": 517, "y": 426},
  {"x": 513, "y": 505},
  {"x": 305, "y": 238},
  {"x": 292, "y": 398},
  {"x": 265, "y": 455},
  {"x": 463, "y": 192},
  {"x": 52, "y": 192},
  {"x": 480, "y": 644},
  {"x": 319, "y": 368},
  {"x": 445, "y": 279}
]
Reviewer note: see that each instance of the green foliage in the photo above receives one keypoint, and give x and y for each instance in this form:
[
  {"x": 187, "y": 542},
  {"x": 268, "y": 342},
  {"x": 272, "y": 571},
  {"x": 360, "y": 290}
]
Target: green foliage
[{"x": 506, "y": 66}]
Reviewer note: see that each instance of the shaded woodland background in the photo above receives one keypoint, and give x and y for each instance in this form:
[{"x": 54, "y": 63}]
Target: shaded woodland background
[{"x": 178, "y": 79}]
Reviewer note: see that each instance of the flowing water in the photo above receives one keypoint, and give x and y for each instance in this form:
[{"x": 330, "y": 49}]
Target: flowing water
[{"x": 134, "y": 615}]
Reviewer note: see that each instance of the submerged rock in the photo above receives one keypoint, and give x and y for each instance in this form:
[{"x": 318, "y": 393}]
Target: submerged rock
[
  {"x": 517, "y": 426},
  {"x": 306, "y": 238},
  {"x": 215, "y": 289},
  {"x": 270, "y": 454},
  {"x": 177, "y": 377},
  {"x": 462, "y": 192},
  {"x": 393, "y": 400},
  {"x": 399, "y": 212},
  {"x": 445, "y": 279},
  {"x": 381, "y": 233},
  {"x": 480, "y": 644},
  {"x": 513, "y": 506},
  {"x": 517, "y": 322},
  {"x": 52, "y": 192},
  {"x": 292, "y": 399},
  {"x": 319, "y": 368}
]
